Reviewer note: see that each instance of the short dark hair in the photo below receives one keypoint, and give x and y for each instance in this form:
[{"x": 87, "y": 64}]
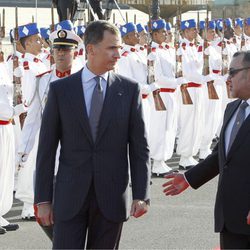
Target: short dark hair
[
  {"x": 246, "y": 57},
  {"x": 95, "y": 31},
  {"x": 23, "y": 41}
]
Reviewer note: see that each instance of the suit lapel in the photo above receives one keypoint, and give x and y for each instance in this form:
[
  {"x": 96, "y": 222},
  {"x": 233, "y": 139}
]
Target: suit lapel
[
  {"x": 225, "y": 123},
  {"x": 77, "y": 102},
  {"x": 113, "y": 93}
]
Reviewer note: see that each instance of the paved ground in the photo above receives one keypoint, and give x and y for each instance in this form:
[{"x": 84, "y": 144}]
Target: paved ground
[{"x": 181, "y": 222}]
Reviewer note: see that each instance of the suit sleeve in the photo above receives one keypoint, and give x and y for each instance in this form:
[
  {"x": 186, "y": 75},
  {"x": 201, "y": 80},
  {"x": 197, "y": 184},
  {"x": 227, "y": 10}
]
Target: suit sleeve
[
  {"x": 204, "y": 171},
  {"x": 138, "y": 150},
  {"x": 48, "y": 142}
]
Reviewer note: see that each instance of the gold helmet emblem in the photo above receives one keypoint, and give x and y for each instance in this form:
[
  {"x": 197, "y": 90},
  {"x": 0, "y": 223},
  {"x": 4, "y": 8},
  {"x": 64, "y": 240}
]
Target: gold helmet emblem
[{"x": 62, "y": 34}]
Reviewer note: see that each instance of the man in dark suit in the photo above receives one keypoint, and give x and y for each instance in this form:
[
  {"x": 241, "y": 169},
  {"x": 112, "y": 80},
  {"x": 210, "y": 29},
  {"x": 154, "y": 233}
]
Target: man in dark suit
[
  {"x": 230, "y": 159},
  {"x": 102, "y": 139}
]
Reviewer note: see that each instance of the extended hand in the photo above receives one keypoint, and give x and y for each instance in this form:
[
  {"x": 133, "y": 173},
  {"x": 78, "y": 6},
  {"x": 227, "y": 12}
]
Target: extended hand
[
  {"x": 248, "y": 218},
  {"x": 44, "y": 214},
  {"x": 176, "y": 185},
  {"x": 138, "y": 208}
]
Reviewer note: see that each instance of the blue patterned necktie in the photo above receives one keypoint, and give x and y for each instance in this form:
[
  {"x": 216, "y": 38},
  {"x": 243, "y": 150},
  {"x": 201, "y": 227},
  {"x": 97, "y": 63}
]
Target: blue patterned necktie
[{"x": 96, "y": 107}]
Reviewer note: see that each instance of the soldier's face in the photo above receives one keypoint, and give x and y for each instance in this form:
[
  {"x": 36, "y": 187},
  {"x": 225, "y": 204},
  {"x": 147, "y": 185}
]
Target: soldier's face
[
  {"x": 133, "y": 38},
  {"x": 102, "y": 57},
  {"x": 169, "y": 37},
  {"x": 239, "y": 79},
  {"x": 229, "y": 33},
  {"x": 34, "y": 44},
  {"x": 143, "y": 37},
  {"x": 247, "y": 30},
  {"x": 63, "y": 58},
  {"x": 190, "y": 34},
  {"x": 160, "y": 36},
  {"x": 238, "y": 30},
  {"x": 210, "y": 34}
]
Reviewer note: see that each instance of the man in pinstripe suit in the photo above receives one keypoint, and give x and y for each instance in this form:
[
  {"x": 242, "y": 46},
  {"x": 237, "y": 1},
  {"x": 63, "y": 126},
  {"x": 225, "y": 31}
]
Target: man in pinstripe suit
[{"x": 91, "y": 190}]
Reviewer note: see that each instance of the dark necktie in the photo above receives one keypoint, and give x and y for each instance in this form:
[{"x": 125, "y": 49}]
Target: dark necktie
[
  {"x": 96, "y": 107},
  {"x": 240, "y": 117}
]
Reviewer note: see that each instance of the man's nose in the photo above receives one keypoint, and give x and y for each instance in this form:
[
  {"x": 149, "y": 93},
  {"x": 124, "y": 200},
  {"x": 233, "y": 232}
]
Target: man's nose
[{"x": 117, "y": 54}]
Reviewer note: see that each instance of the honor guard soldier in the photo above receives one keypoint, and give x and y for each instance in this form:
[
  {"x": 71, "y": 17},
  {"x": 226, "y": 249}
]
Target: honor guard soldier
[
  {"x": 163, "y": 124},
  {"x": 7, "y": 149},
  {"x": 30, "y": 39},
  {"x": 134, "y": 66},
  {"x": 191, "y": 117},
  {"x": 213, "y": 79},
  {"x": 238, "y": 32}
]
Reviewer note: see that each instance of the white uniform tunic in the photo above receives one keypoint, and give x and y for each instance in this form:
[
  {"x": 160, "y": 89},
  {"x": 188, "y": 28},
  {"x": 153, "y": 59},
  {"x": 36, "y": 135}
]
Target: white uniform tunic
[{"x": 7, "y": 144}]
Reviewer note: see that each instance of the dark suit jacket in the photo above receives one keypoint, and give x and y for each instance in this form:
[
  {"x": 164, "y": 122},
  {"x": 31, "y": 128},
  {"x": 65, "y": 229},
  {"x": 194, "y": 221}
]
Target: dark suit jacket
[
  {"x": 121, "y": 134},
  {"x": 233, "y": 194}
]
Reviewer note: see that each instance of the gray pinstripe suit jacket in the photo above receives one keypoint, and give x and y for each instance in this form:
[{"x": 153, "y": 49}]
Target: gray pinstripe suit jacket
[{"x": 121, "y": 134}]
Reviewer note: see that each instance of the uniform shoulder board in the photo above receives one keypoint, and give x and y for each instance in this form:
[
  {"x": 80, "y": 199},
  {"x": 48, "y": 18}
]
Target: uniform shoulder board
[
  {"x": 125, "y": 53},
  {"x": 44, "y": 73},
  {"x": 80, "y": 52},
  {"x": 76, "y": 53},
  {"x": 153, "y": 50},
  {"x": 26, "y": 65},
  {"x": 200, "y": 48}
]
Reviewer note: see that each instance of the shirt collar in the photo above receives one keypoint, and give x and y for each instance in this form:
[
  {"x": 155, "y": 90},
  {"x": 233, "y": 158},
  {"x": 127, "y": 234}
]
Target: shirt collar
[
  {"x": 156, "y": 45},
  {"x": 87, "y": 75},
  {"x": 248, "y": 101}
]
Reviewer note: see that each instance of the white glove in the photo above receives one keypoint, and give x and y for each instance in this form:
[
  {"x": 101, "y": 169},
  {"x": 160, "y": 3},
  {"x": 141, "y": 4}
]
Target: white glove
[
  {"x": 209, "y": 77},
  {"x": 181, "y": 80},
  {"x": 225, "y": 77},
  {"x": 153, "y": 86},
  {"x": 19, "y": 109},
  {"x": 151, "y": 56},
  {"x": 21, "y": 158},
  {"x": 18, "y": 72}
]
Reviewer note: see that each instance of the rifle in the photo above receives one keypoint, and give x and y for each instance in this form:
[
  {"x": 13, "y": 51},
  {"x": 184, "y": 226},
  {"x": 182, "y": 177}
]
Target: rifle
[
  {"x": 159, "y": 104},
  {"x": 2, "y": 35},
  {"x": 212, "y": 94},
  {"x": 17, "y": 99},
  {"x": 52, "y": 26},
  {"x": 224, "y": 70},
  {"x": 243, "y": 40},
  {"x": 186, "y": 98}
]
